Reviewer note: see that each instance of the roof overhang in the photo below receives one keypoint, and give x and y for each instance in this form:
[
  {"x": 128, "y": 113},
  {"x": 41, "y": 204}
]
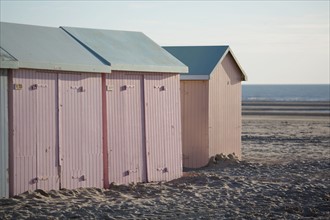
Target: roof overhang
[
  {"x": 9, "y": 64},
  {"x": 195, "y": 77},
  {"x": 65, "y": 67},
  {"x": 7, "y": 61},
  {"x": 150, "y": 68}
]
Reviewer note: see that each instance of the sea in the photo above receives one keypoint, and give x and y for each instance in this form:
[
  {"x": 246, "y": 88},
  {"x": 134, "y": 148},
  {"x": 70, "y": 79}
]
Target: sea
[{"x": 286, "y": 92}]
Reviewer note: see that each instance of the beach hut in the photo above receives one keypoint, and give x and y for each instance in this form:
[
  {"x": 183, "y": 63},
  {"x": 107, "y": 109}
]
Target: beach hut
[
  {"x": 7, "y": 62},
  {"x": 142, "y": 105},
  {"x": 210, "y": 103},
  {"x": 55, "y": 118}
]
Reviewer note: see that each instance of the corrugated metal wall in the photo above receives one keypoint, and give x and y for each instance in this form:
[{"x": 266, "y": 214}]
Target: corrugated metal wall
[
  {"x": 34, "y": 120},
  {"x": 24, "y": 169},
  {"x": 163, "y": 126},
  {"x": 194, "y": 115},
  {"x": 126, "y": 131},
  {"x": 225, "y": 108},
  {"x": 56, "y": 120},
  {"x": 80, "y": 126},
  {"x": 57, "y": 129},
  {"x": 4, "y": 184},
  {"x": 144, "y": 127}
]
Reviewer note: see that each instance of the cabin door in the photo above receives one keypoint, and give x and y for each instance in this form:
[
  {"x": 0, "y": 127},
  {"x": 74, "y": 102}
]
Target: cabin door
[
  {"x": 24, "y": 123},
  {"x": 163, "y": 126},
  {"x": 125, "y": 113},
  {"x": 80, "y": 130},
  {"x": 34, "y": 140}
]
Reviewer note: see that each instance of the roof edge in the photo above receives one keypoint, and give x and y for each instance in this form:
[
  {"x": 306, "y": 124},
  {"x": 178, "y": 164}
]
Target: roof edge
[
  {"x": 150, "y": 68},
  {"x": 8, "y": 64},
  {"x": 182, "y": 69},
  {"x": 243, "y": 74},
  {"x": 194, "y": 77},
  {"x": 94, "y": 53},
  {"x": 4, "y": 64},
  {"x": 66, "y": 67}
]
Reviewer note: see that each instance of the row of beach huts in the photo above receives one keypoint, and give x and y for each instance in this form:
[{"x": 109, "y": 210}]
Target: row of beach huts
[{"x": 87, "y": 107}]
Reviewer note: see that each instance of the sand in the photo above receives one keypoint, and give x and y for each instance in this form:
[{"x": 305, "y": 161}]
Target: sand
[{"x": 284, "y": 173}]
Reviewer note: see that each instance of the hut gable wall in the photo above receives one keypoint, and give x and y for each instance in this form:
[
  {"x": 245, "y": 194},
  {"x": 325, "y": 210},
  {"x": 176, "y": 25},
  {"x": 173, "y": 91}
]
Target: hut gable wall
[
  {"x": 225, "y": 108},
  {"x": 194, "y": 116}
]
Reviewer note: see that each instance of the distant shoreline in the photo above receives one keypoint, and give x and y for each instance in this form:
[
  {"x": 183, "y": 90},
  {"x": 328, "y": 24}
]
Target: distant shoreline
[
  {"x": 286, "y": 108},
  {"x": 286, "y": 93},
  {"x": 295, "y": 103}
]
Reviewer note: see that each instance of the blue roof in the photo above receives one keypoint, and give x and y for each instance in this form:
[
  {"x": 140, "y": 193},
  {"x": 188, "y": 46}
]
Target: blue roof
[
  {"x": 38, "y": 47},
  {"x": 201, "y": 60},
  {"x": 127, "y": 50}
]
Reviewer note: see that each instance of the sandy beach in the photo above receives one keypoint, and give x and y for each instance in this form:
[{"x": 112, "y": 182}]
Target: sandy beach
[{"x": 284, "y": 174}]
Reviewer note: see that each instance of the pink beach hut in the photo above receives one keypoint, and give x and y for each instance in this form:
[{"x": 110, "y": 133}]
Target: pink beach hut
[
  {"x": 89, "y": 107},
  {"x": 143, "y": 119},
  {"x": 210, "y": 103},
  {"x": 55, "y": 118}
]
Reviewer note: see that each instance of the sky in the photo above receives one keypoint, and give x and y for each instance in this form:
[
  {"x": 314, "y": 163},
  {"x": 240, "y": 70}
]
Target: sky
[{"x": 275, "y": 42}]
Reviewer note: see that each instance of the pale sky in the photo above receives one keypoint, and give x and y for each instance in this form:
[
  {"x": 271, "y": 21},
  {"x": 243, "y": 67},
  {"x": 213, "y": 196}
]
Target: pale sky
[{"x": 276, "y": 42}]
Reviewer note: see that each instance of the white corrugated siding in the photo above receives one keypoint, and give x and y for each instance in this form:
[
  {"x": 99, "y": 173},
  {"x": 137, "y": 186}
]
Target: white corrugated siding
[
  {"x": 194, "y": 115},
  {"x": 80, "y": 126},
  {"x": 225, "y": 108},
  {"x": 163, "y": 126},
  {"x": 126, "y": 137},
  {"x": 4, "y": 184}
]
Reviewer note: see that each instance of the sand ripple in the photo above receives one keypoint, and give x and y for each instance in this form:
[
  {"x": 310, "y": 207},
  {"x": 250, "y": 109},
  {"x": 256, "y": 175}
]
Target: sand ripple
[
  {"x": 237, "y": 190},
  {"x": 284, "y": 174}
]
